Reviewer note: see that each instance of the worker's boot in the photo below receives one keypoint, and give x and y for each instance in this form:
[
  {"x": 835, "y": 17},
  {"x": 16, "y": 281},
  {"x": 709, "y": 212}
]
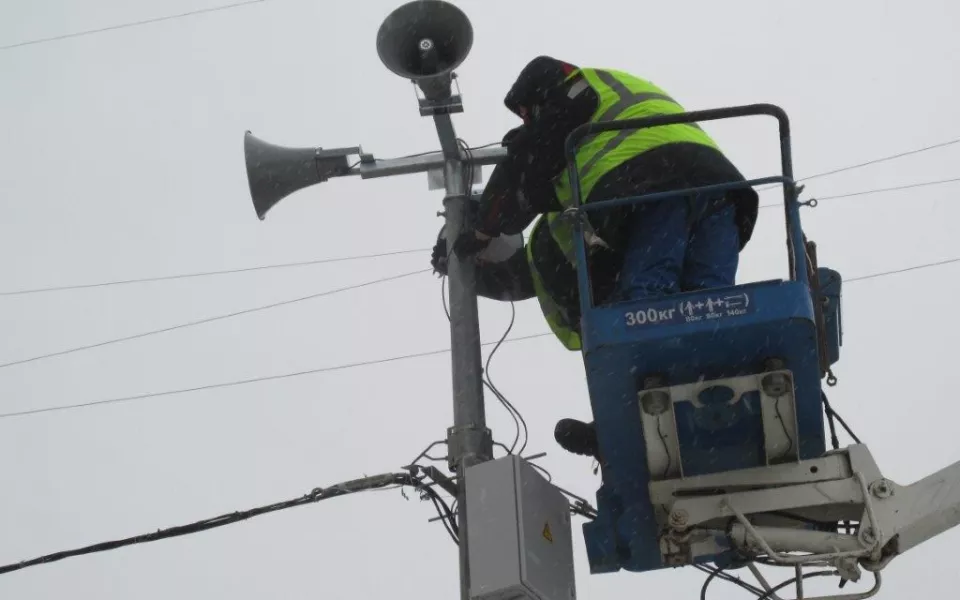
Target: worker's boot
[{"x": 577, "y": 437}]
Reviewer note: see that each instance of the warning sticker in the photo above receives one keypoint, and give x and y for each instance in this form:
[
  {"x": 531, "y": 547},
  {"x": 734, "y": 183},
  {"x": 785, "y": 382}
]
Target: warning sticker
[{"x": 547, "y": 535}]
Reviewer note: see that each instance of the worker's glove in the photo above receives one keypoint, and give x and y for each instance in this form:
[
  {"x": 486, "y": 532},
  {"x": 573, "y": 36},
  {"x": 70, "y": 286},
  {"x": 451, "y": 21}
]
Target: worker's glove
[
  {"x": 439, "y": 257},
  {"x": 468, "y": 244},
  {"x": 514, "y": 137}
]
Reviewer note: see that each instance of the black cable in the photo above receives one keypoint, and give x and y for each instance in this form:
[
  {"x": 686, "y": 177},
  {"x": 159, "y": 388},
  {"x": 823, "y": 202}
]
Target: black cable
[
  {"x": 211, "y": 319},
  {"x": 503, "y": 399},
  {"x": 132, "y": 24},
  {"x": 891, "y": 189},
  {"x": 719, "y": 573},
  {"x": 316, "y": 495},
  {"x": 251, "y": 380},
  {"x": 510, "y": 411},
  {"x": 209, "y": 273},
  {"x": 359, "y": 364},
  {"x": 829, "y": 409},
  {"x": 870, "y": 162},
  {"x": 345, "y": 258},
  {"x": 793, "y": 580},
  {"x": 706, "y": 584},
  {"x": 446, "y": 515},
  {"x": 948, "y": 261},
  {"x": 518, "y": 420},
  {"x": 874, "y": 191}
]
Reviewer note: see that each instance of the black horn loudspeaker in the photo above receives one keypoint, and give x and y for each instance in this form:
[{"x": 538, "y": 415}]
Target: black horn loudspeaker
[{"x": 412, "y": 29}]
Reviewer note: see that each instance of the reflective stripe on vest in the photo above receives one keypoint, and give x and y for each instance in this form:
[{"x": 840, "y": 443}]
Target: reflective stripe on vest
[
  {"x": 622, "y": 96},
  {"x": 555, "y": 316}
]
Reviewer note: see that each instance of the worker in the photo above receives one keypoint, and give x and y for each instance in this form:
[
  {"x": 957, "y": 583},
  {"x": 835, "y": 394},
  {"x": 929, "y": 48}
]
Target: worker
[{"x": 633, "y": 252}]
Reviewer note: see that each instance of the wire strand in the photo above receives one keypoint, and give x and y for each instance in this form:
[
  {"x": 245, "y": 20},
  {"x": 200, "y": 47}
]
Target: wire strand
[
  {"x": 130, "y": 24},
  {"x": 358, "y": 364},
  {"x": 304, "y": 263},
  {"x": 209, "y": 319}
]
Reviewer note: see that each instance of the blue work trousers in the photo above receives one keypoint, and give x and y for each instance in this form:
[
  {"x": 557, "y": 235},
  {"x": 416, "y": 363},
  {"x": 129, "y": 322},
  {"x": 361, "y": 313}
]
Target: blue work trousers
[{"x": 679, "y": 245}]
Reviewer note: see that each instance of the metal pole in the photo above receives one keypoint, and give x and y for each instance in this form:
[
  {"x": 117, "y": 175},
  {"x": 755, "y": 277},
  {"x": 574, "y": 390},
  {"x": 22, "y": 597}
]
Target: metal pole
[{"x": 469, "y": 440}]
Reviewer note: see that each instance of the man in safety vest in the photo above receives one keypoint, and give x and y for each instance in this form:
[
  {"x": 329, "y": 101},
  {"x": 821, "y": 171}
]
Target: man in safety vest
[{"x": 644, "y": 250}]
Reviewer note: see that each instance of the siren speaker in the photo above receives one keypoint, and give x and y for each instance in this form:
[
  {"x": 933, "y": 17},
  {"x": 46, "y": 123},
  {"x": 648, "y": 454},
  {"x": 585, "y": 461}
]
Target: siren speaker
[
  {"x": 275, "y": 172},
  {"x": 424, "y": 40}
]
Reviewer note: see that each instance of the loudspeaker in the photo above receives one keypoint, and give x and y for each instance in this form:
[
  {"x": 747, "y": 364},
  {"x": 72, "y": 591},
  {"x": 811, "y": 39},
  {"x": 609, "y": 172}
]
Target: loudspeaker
[
  {"x": 424, "y": 40},
  {"x": 275, "y": 172}
]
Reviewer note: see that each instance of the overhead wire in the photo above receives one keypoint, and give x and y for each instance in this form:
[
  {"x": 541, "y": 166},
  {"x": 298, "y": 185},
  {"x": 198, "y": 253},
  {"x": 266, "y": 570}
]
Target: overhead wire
[
  {"x": 212, "y": 319},
  {"x": 874, "y": 191},
  {"x": 316, "y": 495},
  {"x": 131, "y": 24},
  {"x": 868, "y": 163},
  {"x": 359, "y": 364},
  {"x": 890, "y": 189},
  {"x": 369, "y": 256},
  {"x": 305, "y": 263},
  {"x": 415, "y": 250}
]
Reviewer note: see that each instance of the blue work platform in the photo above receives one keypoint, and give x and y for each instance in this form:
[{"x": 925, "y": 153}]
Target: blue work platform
[{"x": 700, "y": 382}]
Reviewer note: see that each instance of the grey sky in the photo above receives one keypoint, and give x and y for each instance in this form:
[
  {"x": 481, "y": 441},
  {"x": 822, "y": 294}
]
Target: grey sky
[{"x": 122, "y": 158}]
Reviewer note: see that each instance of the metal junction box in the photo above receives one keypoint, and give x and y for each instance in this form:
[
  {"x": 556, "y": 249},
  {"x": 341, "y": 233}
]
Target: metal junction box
[{"x": 519, "y": 534}]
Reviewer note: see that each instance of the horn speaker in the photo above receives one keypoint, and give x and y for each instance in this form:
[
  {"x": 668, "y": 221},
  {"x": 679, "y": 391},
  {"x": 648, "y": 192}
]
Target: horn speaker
[
  {"x": 275, "y": 172},
  {"x": 425, "y": 40}
]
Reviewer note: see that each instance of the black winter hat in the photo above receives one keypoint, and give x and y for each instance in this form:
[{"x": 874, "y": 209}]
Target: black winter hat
[{"x": 538, "y": 80}]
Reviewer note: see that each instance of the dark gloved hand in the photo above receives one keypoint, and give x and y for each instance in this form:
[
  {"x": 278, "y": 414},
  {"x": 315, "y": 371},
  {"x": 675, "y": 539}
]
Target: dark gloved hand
[
  {"x": 468, "y": 244},
  {"x": 514, "y": 136},
  {"x": 516, "y": 141},
  {"x": 439, "y": 257}
]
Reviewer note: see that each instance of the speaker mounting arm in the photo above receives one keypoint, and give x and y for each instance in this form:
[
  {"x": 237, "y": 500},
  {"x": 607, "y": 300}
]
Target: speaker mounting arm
[{"x": 405, "y": 165}]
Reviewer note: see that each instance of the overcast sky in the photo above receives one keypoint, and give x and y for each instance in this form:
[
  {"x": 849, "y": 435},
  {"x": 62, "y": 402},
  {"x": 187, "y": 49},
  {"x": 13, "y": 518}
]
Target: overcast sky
[{"x": 122, "y": 158}]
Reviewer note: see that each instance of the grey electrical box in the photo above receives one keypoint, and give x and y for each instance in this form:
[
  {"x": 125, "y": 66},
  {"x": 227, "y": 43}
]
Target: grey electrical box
[{"x": 518, "y": 533}]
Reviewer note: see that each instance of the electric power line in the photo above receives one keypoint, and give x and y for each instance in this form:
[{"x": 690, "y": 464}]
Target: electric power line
[
  {"x": 304, "y": 263},
  {"x": 869, "y": 162},
  {"x": 285, "y": 302},
  {"x": 210, "y": 319},
  {"x": 212, "y": 386},
  {"x": 367, "y": 362},
  {"x": 314, "y": 496},
  {"x": 875, "y": 191},
  {"x": 891, "y": 189},
  {"x": 131, "y": 24},
  {"x": 414, "y": 250}
]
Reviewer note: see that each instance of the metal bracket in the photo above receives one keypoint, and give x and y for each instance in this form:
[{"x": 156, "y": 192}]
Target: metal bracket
[
  {"x": 769, "y": 511},
  {"x": 777, "y": 408},
  {"x": 468, "y": 436},
  {"x": 448, "y": 106}
]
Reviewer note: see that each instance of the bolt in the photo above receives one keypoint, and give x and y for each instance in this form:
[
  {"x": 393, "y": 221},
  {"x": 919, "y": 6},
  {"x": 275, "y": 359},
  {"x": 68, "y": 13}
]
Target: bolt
[
  {"x": 655, "y": 403},
  {"x": 868, "y": 536},
  {"x": 678, "y": 518},
  {"x": 775, "y": 384},
  {"x": 881, "y": 488}
]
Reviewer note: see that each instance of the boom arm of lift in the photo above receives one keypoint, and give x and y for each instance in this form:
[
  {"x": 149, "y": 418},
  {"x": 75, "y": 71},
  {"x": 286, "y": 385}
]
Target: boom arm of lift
[{"x": 843, "y": 485}]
